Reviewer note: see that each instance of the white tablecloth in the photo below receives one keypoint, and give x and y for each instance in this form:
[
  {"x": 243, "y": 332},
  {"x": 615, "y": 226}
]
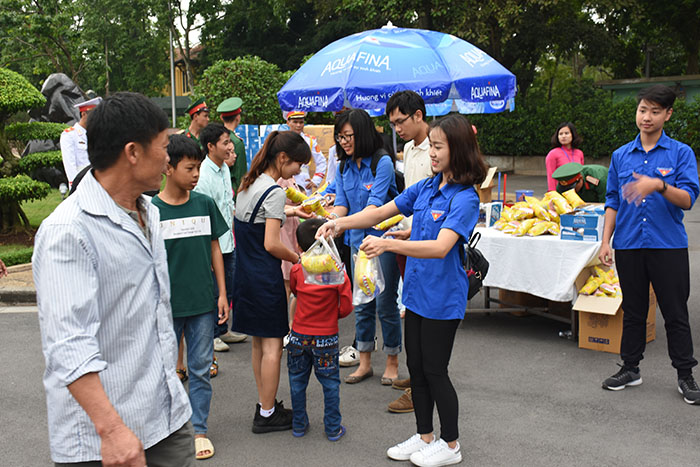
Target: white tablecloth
[{"x": 544, "y": 266}]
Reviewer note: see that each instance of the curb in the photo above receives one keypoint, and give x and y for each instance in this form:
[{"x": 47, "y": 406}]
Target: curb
[
  {"x": 24, "y": 296},
  {"x": 19, "y": 268},
  {"x": 18, "y": 295}
]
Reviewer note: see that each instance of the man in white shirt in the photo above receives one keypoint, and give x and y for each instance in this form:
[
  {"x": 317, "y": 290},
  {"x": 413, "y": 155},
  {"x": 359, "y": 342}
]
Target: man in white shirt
[
  {"x": 103, "y": 293},
  {"x": 73, "y": 141}
]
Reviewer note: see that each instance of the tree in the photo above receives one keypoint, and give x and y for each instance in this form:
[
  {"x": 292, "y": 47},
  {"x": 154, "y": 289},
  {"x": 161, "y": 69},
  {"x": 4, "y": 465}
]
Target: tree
[
  {"x": 43, "y": 36},
  {"x": 646, "y": 38},
  {"x": 252, "y": 79},
  {"x": 185, "y": 18},
  {"x": 129, "y": 51},
  {"x": 278, "y": 31},
  {"x": 100, "y": 44},
  {"x": 17, "y": 94}
]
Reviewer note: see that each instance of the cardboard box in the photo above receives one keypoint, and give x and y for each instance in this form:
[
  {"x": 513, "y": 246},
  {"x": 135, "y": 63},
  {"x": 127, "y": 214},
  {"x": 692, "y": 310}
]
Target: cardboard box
[
  {"x": 600, "y": 318},
  {"x": 485, "y": 190},
  {"x": 323, "y": 134},
  {"x": 489, "y": 213},
  {"x": 582, "y": 225}
]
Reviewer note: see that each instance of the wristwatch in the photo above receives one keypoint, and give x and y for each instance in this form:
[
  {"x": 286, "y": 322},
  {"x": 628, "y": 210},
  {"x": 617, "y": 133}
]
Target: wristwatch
[{"x": 663, "y": 189}]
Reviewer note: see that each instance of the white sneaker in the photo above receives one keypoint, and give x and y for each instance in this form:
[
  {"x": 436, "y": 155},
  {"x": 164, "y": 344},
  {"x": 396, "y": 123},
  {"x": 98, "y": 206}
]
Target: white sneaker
[
  {"x": 436, "y": 454},
  {"x": 403, "y": 451},
  {"x": 233, "y": 337},
  {"x": 349, "y": 356},
  {"x": 220, "y": 346}
]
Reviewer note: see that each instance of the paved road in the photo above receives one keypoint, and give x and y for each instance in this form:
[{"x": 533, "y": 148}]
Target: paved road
[{"x": 527, "y": 398}]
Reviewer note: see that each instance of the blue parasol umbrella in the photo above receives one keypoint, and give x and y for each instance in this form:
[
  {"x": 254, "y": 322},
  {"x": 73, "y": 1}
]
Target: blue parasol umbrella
[{"x": 363, "y": 70}]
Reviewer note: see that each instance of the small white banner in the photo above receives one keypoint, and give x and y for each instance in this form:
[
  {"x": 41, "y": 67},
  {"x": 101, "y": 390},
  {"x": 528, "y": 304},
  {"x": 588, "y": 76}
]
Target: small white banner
[{"x": 185, "y": 227}]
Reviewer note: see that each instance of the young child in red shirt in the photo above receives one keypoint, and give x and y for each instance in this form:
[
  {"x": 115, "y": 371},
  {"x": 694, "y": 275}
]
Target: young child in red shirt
[{"x": 313, "y": 341}]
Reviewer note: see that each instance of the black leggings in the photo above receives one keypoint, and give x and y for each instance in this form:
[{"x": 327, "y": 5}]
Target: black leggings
[{"x": 428, "y": 349}]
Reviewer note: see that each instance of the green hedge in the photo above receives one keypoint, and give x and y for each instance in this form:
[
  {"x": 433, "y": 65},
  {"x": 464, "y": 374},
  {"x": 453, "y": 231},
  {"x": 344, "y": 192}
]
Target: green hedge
[
  {"x": 603, "y": 124},
  {"x": 20, "y": 256},
  {"x": 36, "y": 160},
  {"x": 16, "y": 93},
  {"x": 34, "y": 130},
  {"x": 22, "y": 188}
]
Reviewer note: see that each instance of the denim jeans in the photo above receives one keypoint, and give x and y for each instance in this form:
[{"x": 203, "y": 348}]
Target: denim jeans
[
  {"x": 321, "y": 353},
  {"x": 385, "y": 307},
  {"x": 229, "y": 276},
  {"x": 199, "y": 335}
]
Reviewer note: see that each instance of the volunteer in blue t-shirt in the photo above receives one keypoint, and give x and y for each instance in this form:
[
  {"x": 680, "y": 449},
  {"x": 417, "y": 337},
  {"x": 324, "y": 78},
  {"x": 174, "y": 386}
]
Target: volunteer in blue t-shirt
[
  {"x": 650, "y": 182},
  {"x": 359, "y": 188},
  {"x": 445, "y": 209}
]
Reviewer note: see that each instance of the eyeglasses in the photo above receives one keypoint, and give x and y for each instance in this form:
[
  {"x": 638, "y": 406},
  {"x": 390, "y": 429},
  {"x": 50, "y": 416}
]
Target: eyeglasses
[
  {"x": 344, "y": 138},
  {"x": 400, "y": 121}
]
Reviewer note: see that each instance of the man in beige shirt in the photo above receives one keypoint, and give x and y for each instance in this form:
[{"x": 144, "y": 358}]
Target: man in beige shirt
[{"x": 406, "y": 112}]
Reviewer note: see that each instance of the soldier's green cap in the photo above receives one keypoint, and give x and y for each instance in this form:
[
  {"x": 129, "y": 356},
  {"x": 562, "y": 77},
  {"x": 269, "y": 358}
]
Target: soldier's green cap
[
  {"x": 198, "y": 105},
  {"x": 567, "y": 172},
  {"x": 230, "y": 107}
]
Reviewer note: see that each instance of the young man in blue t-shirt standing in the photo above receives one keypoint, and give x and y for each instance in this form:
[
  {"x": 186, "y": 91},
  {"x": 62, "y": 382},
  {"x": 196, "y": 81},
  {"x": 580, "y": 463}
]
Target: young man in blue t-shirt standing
[{"x": 650, "y": 182}]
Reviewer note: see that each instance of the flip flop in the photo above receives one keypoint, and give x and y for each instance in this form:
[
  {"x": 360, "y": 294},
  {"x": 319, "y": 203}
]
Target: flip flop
[
  {"x": 203, "y": 444},
  {"x": 214, "y": 368},
  {"x": 182, "y": 374}
]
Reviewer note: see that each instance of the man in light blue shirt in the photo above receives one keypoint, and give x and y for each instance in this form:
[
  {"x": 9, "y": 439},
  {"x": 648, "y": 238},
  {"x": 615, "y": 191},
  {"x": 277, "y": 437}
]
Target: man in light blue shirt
[
  {"x": 103, "y": 292},
  {"x": 215, "y": 182}
]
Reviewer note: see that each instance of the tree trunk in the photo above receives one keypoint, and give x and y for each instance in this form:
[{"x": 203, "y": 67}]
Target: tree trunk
[
  {"x": 188, "y": 62},
  {"x": 9, "y": 161},
  {"x": 12, "y": 218},
  {"x": 106, "y": 69}
]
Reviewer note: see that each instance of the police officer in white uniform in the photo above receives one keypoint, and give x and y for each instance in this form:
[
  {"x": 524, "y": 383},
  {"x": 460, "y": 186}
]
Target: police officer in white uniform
[
  {"x": 295, "y": 121},
  {"x": 74, "y": 141}
]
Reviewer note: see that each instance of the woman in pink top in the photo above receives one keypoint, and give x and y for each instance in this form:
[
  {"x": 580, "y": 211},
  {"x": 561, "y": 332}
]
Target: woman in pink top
[{"x": 565, "y": 143}]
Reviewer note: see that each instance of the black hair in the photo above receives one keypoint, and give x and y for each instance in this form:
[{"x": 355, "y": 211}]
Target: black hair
[
  {"x": 466, "y": 162},
  {"x": 306, "y": 232},
  {"x": 230, "y": 118},
  {"x": 122, "y": 118},
  {"x": 659, "y": 94},
  {"x": 211, "y": 134},
  {"x": 408, "y": 102},
  {"x": 180, "y": 146},
  {"x": 277, "y": 142},
  {"x": 365, "y": 136},
  {"x": 576, "y": 139}
]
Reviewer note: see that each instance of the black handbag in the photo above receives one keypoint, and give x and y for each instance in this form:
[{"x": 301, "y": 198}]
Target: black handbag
[
  {"x": 475, "y": 265},
  {"x": 473, "y": 261}
]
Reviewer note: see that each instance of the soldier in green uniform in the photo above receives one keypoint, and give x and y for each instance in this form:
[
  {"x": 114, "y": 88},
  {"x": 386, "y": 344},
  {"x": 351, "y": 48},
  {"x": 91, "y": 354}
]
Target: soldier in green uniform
[
  {"x": 590, "y": 181},
  {"x": 230, "y": 113},
  {"x": 199, "y": 113}
]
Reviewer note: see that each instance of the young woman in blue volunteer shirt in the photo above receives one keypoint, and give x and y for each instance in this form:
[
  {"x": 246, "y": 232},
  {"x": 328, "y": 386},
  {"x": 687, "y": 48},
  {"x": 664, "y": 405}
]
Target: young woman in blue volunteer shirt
[
  {"x": 445, "y": 209},
  {"x": 358, "y": 189},
  {"x": 260, "y": 298}
]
